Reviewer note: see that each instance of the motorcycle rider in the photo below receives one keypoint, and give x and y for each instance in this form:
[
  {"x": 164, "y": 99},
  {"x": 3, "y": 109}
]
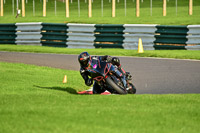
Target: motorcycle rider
[{"x": 84, "y": 59}]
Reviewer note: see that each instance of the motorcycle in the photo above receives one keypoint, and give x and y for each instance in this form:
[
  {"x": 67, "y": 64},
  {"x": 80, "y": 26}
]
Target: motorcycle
[{"x": 109, "y": 77}]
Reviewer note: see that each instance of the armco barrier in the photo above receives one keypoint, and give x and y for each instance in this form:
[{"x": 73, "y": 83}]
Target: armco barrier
[
  {"x": 133, "y": 32},
  {"x": 54, "y": 35},
  {"x": 101, "y": 35},
  {"x": 28, "y": 33},
  {"x": 80, "y": 35},
  {"x": 170, "y": 37},
  {"x": 193, "y": 37},
  {"x": 7, "y": 33}
]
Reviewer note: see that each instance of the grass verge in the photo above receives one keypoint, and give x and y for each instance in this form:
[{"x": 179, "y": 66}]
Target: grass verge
[
  {"x": 176, "y": 54},
  {"x": 33, "y": 99},
  {"x": 175, "y": 16}
]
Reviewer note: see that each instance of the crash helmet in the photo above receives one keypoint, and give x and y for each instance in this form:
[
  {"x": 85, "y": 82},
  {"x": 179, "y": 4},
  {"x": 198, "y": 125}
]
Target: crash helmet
[{"x": 84, "y": 59}]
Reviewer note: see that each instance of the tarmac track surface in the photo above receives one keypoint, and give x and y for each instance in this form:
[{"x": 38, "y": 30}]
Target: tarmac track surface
[{"x": 150, "y": 75}]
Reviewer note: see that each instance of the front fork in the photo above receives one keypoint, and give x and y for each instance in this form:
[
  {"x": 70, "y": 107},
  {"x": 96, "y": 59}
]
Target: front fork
[{"x": 122, "y": 76}]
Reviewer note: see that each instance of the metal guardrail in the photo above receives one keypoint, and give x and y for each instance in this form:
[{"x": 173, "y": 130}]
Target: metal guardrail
[
  {"x": 133, "y": 32},
  {"x": 101, "y": 35},
  {"x": 80, "y": 35},
  {"x": 28, "y": 33},
  {"x": 193, "y": 37}
]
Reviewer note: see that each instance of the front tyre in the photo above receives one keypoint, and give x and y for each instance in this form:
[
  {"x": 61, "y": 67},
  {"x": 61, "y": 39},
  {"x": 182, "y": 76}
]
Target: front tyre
[
  {"x": 114, "y": 86},
  {"x": 132, "y": 89}
]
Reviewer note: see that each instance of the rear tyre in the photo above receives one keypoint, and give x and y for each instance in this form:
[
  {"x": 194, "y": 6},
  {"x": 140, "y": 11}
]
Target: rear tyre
[{"x": 114, "y": 86}]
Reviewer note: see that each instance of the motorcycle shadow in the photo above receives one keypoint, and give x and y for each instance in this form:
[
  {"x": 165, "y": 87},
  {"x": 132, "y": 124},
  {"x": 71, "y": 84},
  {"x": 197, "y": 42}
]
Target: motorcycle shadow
[{"x": 66, "y": 89}]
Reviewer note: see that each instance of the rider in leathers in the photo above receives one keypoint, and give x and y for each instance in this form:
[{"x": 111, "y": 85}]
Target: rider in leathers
[{"x": 84, "y": 59}]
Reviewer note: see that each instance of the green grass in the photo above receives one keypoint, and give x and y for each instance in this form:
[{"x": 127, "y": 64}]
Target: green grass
[
  {"x": 177, "y": 54},
  {"x": 33, "y": 99},
  {"x": 181, "y": 18}
]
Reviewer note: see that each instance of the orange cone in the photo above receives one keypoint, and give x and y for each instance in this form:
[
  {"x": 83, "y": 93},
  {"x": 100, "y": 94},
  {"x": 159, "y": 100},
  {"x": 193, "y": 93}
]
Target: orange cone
[{"x": 65, "y": 79}]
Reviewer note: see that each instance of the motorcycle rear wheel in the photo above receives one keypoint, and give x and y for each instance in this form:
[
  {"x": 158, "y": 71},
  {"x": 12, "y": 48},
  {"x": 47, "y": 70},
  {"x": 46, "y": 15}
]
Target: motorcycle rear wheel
[{"x": 114, "y": 86}]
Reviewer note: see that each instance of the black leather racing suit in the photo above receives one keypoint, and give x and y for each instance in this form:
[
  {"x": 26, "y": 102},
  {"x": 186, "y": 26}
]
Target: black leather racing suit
[{"x": 89, "y": 81}]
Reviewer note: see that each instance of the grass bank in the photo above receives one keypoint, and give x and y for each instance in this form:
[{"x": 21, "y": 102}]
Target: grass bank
[
  {"x": 33, "y": 99},
  {"x": 176, "y": 54},
  {"x": 175, "y": 16}
]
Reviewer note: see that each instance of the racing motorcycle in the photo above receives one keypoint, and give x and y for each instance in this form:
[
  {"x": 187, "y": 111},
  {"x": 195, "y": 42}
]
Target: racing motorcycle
[{"x": 109, "y": 77}]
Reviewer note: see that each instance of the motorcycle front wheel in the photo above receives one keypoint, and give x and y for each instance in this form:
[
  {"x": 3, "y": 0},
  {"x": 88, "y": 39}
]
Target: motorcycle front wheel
[{"x": 114, "y": 86}]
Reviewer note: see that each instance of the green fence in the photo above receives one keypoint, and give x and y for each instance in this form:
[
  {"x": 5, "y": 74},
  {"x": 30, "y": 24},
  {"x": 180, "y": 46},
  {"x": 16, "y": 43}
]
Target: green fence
[
  {"x": 170, "y": 37},
  {"x": 54, "y": 35},
  {"x": 109, "y": 36},
  {"x": 7, "y": 33}
]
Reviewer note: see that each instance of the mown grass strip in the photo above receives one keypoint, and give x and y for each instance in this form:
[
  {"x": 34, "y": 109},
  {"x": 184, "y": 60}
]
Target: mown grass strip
[
  {"x": 176, "y": 54},
  {"x": 181, "y": 17},
  {"x": 33, "y": 99}
]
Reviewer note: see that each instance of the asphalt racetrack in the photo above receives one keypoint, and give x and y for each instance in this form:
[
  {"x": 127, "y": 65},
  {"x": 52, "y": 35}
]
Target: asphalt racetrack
[{"x": 150, "y": 75}]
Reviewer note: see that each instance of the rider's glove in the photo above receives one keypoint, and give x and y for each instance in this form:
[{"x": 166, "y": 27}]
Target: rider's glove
[
  {"x": 89, "y": 82},
  {"x": 107, "y": 58}
]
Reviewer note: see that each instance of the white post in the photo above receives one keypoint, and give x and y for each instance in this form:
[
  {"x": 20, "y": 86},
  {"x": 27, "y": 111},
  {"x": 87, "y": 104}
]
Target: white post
[
  {"x": 176, "y": 7},
  {"x": 113, "y": 8},
  {"x": 137, "y": 8},
  {"x": 17, "y": 5},
  {"x": 102, "y": 8},
  {"x": 33, "y": 7},
  {"x": 1, "y": 8},
  {"x": 164, "y": 8},
  {"x": 125, "y": 6},
  {"x": 90, "y": 9},
  {"x": 71, "y": 1},
  {"x": 151, "y": 7},
  {"x": 55, "y": 7},
  {"x": 23, "y": 8},
  {"x": 79, "y": 8},
  {"x": 44, "y": 8},
  {"x": 67, "y": 8},
  {"x": 190, "y": 7},
  {"x": 26, "y": 1},
  {"x": 13, "y": 6}
]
